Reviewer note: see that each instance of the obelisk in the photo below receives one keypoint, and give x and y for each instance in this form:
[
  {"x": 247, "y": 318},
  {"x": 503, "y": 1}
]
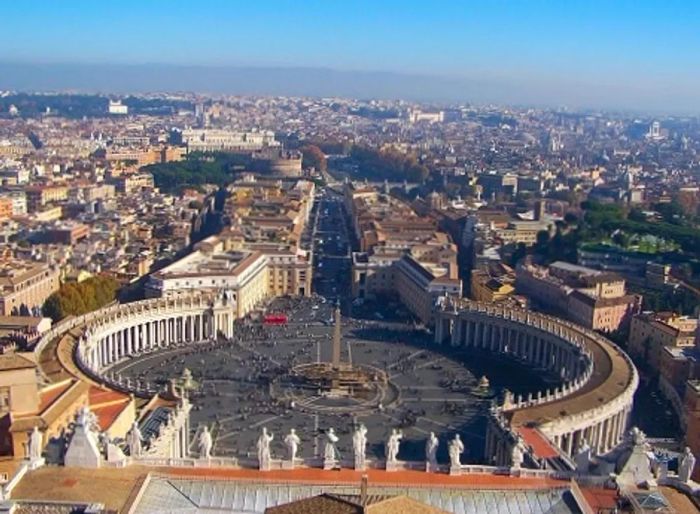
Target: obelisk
[{"x": 336, "y": 338}]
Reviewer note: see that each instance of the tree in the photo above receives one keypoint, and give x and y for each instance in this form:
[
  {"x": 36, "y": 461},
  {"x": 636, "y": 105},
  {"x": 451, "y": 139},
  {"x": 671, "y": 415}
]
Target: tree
[
  {"x": 313, "y": 157},
  {"x": 73, "y": 299},
  {"x": 570, "y": 218}
]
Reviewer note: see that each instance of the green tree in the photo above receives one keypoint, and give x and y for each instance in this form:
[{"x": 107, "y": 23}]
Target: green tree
[{"x": 73, "y": 299}]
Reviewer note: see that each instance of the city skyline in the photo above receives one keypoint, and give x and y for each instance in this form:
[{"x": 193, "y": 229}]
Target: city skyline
[{"x": 583, "y": 55}]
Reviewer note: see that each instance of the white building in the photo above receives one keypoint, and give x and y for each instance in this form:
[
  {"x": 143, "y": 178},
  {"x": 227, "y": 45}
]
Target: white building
[
  {"x": 117, "y": 107},
  {"x": 212, "y": 140}
]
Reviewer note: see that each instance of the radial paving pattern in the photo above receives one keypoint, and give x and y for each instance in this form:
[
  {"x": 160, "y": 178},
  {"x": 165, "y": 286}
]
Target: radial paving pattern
[{"x": 244, "y": 385}]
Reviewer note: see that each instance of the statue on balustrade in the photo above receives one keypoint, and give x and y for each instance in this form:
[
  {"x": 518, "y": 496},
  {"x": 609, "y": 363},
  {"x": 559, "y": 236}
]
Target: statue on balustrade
[
  {"x": 517, "y": 455},
  {"x": 36, "y": 440},
  {"x": 330, "y": 451},
  {"x": 292, "y": 442},
  {"x": 359, "y": 447},
  {"x": 205, "y": 443},
  {"x": 264, "y": 456},
  {"x": 455, "y": 449},
  {"x": 686, "y": 465},
  {"x": 134, "y": 440},
  {"x": 431, "y": 448},
  {"x": 392, "y": 446}
]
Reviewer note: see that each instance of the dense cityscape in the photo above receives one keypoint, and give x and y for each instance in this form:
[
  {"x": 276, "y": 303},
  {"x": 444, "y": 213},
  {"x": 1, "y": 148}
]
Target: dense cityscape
[
  {"x": 350, "y": 279},
  {"x": 312, "y": 257}
]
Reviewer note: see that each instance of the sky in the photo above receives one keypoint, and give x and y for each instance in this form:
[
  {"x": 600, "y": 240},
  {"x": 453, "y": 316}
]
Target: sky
[{"x": 640, "y": 51}]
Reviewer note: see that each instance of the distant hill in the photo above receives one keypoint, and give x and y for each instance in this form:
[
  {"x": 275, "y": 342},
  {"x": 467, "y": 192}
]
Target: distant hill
[{"x": 527, "y": 89}]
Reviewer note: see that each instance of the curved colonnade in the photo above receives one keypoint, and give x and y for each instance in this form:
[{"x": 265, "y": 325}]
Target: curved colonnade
[
  {"x": 592, "y": 404},
  {"x": 122, "y": 331}
]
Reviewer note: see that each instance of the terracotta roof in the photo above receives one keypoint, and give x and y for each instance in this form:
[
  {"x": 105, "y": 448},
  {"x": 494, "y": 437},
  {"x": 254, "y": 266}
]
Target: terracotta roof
[
  {"x": 50, "y": 394},
  {"x": 376, "y": 477},
  {"x": 107, "y": 404},
  {"x": 324, "y": 503},
  {"x": 345, "y": 503},
  {"x": 106, "y": 415},
  {"x": 540, "y": 446}
]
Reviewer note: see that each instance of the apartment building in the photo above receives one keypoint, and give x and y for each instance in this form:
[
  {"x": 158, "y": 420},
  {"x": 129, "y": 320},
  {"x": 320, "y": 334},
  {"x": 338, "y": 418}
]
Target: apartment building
[
  {"x": 246, "y": 276},
  {"x": 651, "y": 333},
  {"x": 402, "y": 253},
  {"x": 591, "y": 298},
  {"x": 40, "y": 196},
  {"x": 25, "y": 284},
  {"x": 258, "y": 256},
  {"x": 220, "y": 140}
]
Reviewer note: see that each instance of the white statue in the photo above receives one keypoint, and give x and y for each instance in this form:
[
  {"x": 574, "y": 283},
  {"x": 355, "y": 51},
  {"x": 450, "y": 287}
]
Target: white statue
[
  {"x": 455, "y": 449},
  {"x": 686, "y": 465},
  {"x": 134, "y": 440},
  {"x": 330, "y": 452},
  {"x": 392, "y": 445},
  {"x": 638, "y": 438},
  {"x": 431, "y": 448},
  {"x": 84, "y": 447},
  {"x": 582, "y": 457},
  {"x": 115, "y": 454},
  {"x": 264, "y": 456},
  {"x": 359, "y": 446},
  {"x": 205, "y": 443},
  {"x": 86, "y": 418},
  {"x": 292, "y": 442},
  {"x": 36, "y": 441},
  {"x": 516, "y": 454}
]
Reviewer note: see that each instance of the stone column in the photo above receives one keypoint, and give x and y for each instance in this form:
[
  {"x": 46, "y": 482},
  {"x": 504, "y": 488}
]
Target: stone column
[
  {"x": 604, "y": 436},
  {"x": 100, "y": 343},
  {"x": 129, "y": 340},
  {"x": 110, "y": 348},
  {"x": 439, "y": 325},
  {"x": 569, "y": 443}
]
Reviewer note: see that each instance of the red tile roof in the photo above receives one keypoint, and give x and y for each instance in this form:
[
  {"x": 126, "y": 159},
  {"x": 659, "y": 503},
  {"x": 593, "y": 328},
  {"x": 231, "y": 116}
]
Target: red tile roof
[{"x": 542, "y": 448}]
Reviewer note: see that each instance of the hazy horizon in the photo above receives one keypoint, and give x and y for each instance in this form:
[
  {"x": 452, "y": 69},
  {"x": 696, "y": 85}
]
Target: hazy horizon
[
  {"x": 624, "y": 55},
  {"x": 122, "y": 79}
]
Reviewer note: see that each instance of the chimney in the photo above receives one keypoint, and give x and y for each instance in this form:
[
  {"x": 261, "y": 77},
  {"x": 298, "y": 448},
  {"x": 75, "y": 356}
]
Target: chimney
[{"x": 363, "y": 490}]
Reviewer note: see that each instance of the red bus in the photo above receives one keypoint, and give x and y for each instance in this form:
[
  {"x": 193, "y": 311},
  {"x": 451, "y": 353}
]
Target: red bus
[{"x": 275, "y": 319}]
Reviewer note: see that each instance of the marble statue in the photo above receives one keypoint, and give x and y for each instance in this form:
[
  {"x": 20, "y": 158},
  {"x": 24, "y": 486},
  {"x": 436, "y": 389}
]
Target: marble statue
[
  {"x": 516, "y": 454},
  {"x": 36, "y": 440},
  {"x": 686, "y": 465},
  {"x": 330, "y": 452},
  {"x": 359, "y": 446},
  {"x": 204, "y": 443},
  {"x": 392, "y": 445},
  {"x": 87, "y": 419},
  {"x": 582, "y": 457},
  {"x": 292, "y": 442},
  {"x": 455, "y": 449},
  {"x": 264, "y": 456},
  {"x": 638, "y": 438},
  {"x": 431, "y": 448},
  {"x": 84, "y": 446},
  {"x": 115, "y": 455},
  {"x": 134, "y": 440}
]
